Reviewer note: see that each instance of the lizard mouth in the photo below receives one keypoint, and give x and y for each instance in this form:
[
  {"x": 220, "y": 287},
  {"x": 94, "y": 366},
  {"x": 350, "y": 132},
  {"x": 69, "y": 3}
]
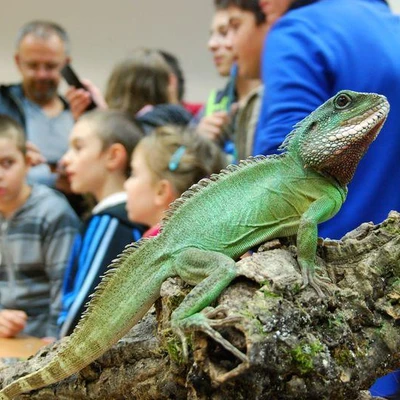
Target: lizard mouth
[
  {"x": 361, "y": 145},
  {"x": 363, "y": 135}
]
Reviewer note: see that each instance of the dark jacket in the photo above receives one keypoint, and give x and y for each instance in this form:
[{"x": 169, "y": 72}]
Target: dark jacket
[
  {"x": 11, "y": 97},
  {"x": 164, "y": 114}
]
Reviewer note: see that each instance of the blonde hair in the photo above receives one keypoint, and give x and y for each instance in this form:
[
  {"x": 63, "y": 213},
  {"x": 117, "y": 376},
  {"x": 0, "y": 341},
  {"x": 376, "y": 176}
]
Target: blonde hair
[
  {"x": 113, "y": 126},
  {"x": 181, "y": 156},
  {"x": 139, "y": 80},
  {"x": 11, "y": 129}
]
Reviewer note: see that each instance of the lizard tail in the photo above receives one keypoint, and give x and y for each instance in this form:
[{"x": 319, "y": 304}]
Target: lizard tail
[{"x": 109, "y": 316}]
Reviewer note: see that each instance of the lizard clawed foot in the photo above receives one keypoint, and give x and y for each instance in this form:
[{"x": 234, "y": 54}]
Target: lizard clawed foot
[
  {"x": 317, "y": 283},
  {"x": 182, "y": 337},
  {"x": 203, "y": 322},
  {"x": 212, "y": 312}
]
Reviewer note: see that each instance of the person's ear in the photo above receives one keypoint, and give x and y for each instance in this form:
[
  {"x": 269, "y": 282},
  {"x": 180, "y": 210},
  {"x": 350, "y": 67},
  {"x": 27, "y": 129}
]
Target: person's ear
[
  {"x": 165, "y": 193},
  {"x": 173, "y": 88},
  {"x": 17, "y": 60},
  {"x": 116, "y": 157},
  {"x": 29, "y": 162}
]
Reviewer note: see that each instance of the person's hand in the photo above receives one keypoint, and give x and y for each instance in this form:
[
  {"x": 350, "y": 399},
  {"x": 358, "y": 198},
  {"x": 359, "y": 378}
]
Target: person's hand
[
  {"x": 212, "y": 126},
  {"x": 34, "y": 154},
  {"x": 12, "y": 322},
  {"x": 79, "y": 99},
  {"x": 49, "y": 339}
]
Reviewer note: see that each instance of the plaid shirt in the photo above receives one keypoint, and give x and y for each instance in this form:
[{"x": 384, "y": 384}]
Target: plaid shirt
[{"x": 34, "y": 248}]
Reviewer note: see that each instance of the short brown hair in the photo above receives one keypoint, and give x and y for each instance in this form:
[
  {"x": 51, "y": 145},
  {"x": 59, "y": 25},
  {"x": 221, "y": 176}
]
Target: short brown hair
[
  {"x": 139, "y": 80},
  {"x": 246, "y": 5},
  {"x": 200, "y": 157},
  {"x": 115, "y": 126},
  {"x": 9, "y": 128}
]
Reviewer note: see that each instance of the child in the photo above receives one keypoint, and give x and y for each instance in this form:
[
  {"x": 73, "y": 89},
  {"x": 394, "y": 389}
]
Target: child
[
  {"x": 143, "y": 85},
  {"x": 37, "y": 231},
  {"x": 230, "y": 115},
  {"x": 97, "y": 163},
  {"x": 164, "y": 165}
]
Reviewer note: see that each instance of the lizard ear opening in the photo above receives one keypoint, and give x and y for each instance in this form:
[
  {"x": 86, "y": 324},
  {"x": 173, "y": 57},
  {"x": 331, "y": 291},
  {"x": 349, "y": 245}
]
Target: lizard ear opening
[{"x": 313, "y": 127}]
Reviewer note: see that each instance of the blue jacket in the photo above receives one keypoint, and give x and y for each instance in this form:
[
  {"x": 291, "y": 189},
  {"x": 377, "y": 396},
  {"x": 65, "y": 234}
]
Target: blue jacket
[
  {"x": 103, "y": 237},
  {"x": 310, "y": 54}
]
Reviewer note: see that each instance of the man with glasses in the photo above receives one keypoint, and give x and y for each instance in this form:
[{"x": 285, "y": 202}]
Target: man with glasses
[{"x": 42, "y": 49}]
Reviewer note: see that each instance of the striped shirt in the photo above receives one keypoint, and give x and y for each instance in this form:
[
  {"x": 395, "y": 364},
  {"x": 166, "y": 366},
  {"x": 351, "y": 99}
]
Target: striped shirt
[{"x": 34, "y": 248}]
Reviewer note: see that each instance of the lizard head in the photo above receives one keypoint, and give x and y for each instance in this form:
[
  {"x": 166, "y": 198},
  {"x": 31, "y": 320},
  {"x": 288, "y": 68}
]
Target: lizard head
[{"x": 334, "y": 138}]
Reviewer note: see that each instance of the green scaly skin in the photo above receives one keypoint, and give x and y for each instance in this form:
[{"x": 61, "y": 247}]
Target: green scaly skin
[{"x": 218, "y": 220}]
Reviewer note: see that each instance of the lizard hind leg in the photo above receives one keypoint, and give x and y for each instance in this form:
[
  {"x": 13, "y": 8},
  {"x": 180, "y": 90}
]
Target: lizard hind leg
[
  {"x": 201, "y": 322},
  {"x": 211, "y": 272}
]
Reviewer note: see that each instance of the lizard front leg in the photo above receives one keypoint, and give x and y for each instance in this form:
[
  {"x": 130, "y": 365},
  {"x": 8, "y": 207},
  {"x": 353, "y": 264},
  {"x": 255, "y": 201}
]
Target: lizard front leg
[
  {"x": 211, "y": 272},
  {"x": 307, "y": 237}
]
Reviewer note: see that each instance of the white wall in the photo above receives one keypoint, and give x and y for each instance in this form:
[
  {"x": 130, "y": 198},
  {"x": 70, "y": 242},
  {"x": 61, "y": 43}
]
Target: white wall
[
  {"x": 103, "y": 32},
  {"x": 395, "y": 4}
]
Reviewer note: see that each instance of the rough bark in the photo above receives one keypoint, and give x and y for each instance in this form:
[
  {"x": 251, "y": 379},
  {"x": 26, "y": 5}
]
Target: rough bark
[{"x": 298, "y": 345}]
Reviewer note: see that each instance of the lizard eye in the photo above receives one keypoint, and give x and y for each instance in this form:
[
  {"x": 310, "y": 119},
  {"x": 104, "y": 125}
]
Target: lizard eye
[{"x": 342, "y": 101}]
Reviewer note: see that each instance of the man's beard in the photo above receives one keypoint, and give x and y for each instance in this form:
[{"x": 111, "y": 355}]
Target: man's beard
[{"x": 42, "y": 95}]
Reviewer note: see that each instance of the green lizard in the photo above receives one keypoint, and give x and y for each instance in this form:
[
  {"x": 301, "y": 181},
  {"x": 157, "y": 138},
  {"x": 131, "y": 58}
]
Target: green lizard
[{"x": 218, "y": 220}]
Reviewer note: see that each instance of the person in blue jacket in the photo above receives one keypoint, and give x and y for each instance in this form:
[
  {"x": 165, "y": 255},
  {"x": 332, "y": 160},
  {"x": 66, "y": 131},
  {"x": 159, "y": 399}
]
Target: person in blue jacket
[
  {"x": 97, "y": 163},
  {"x": 312, "y": 51}
]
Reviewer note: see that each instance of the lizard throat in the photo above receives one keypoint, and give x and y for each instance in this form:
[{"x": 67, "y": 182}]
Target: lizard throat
[{"x": 346, "y": 160}]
